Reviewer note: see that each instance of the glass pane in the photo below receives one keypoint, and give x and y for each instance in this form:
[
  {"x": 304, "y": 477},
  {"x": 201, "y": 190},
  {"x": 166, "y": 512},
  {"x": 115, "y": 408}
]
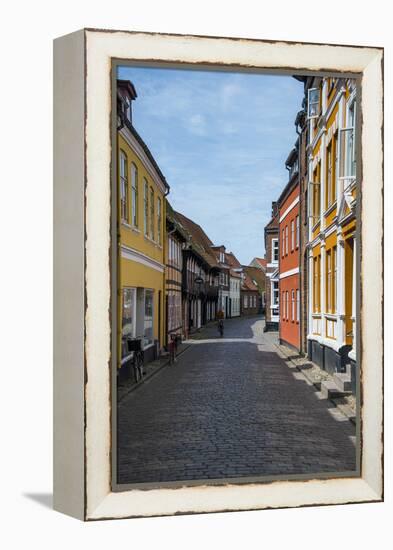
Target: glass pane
[
  {"x": 148, "y": 321},
  {"x": 127, "y": 324}
]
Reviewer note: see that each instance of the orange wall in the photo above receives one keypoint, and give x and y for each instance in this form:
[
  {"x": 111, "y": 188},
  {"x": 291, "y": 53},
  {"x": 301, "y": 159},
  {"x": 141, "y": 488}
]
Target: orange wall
[
  {"x": 289, "y": 328},
  {"x": 290, "y": 260}
]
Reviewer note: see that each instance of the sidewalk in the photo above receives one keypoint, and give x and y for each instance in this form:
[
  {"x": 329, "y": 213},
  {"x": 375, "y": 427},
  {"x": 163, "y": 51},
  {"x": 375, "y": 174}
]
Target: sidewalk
[
  {"x": 150, "y": 369},
  {"x": 317, "y": 376}
]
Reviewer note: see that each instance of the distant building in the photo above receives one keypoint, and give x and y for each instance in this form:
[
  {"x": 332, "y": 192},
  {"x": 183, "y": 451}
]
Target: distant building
[
  {"x": 235, "y": 280},
  {"x": 272, "y": 275},
  {"x": 258, "y": 277},
  {"x": 260, "y": 263},
  {"x": 201, "y": 272},
  {"x": 176, "y": 239},
  {"x": 224, "y": 284},
  {"x": 249, "y": 296},
  {"x": 289, "y": 256}
]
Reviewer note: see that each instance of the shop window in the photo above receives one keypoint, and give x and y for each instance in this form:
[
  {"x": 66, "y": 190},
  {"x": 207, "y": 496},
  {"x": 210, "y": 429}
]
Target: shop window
[{"x": 148, "y": 322}]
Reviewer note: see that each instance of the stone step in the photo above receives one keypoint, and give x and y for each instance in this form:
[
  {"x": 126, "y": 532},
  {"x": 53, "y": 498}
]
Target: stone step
[
  {"x": 342, "y": 381},
  {"x": 329, "y": 390}
]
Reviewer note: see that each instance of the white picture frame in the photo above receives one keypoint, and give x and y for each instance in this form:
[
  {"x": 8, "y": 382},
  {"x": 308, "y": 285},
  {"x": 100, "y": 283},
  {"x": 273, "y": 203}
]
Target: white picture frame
[{"x": 82, "y": 239}]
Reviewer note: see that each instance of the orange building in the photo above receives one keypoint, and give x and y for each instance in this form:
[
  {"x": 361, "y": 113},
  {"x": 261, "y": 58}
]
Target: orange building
[{"x": 289, "y": 255}]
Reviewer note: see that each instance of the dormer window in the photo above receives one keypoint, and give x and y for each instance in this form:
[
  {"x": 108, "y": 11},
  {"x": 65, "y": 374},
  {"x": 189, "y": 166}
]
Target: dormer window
[
  {"x": 313, "y": 104},
  {"x": 127, "y": 110}
]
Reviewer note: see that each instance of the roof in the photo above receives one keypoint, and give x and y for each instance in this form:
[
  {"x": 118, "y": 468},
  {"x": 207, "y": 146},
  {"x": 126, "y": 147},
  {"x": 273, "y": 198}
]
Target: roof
[
  {"x": 173, "y": 221},
  {"x": 145, "y": 148},
  {"x": 257, "y": 276},
  {"x": 260, "y": 263},
  {"x": 128, "y": 85},
  {"x": 234, "y": 265},
  {"x": 273, "y": 224},
  {"x": 248, "y": 284},
  {"x": 199, "y": 241}
]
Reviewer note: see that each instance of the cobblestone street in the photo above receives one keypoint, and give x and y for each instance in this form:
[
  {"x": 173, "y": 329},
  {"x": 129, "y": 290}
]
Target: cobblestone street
[{"x": 230, "y": 407}]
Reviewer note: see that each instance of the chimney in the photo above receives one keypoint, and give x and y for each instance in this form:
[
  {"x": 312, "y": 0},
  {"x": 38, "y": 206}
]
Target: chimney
[{"x": 274, "y": 209}]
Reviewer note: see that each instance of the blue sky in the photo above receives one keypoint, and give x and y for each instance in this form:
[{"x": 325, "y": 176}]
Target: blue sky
[{"x": 221, "y": 140}]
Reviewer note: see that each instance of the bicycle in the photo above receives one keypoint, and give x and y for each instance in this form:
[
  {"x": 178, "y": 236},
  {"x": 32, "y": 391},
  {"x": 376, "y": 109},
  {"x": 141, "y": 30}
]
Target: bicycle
[
  {"x": 221, "y": 327},
  {"x": 135, "y": 345}
]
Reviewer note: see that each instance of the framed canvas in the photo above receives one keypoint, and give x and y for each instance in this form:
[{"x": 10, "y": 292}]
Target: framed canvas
[{"x": 187, "y": 381}]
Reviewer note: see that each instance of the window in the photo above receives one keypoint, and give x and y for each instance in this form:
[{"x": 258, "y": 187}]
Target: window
[
  {"x": 159, "y": 221},
  {"x": 245, "y": 301},
  {"x": 292, "y": 234},
  {"x": 297, "y": 305},
  {"x": 316, "y": 193},
  {"x": 283, "y": 243},
  {"x": 335, "y": 174},
  {"x": 313, "y": 104},
  {"x": 274, "y": 250},
  {"x": 152, "y": 213},
  {"x": 128, "y": 109},
  {"x": 134, "y": 194},
  {"x": 286, "y": 240},
  {"x": 329, "y": 176},
  {"x": 283, "y": 305},
  {"x": 297, "y": 231},
  {"x": 316, "y": 284},
  {"x": 348, "y": 149},
  {"x": 328, "y": 281},
  {"x": 146, "y": 207},
  {"x": 148, "y": 322},
  {"x": 128, "y": 320},
  {"x": 275, "y": 294},
  {"x": 293, "y": 315},
  {"x": 334, "y": 292},
  {"x": 331, "y": 274},
  {"x": 287, "y": 305},
  {"x": 123, "y": 187}
]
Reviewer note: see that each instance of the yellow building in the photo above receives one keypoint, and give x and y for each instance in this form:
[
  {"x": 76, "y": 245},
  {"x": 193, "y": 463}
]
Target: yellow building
[
  {"x": 141, "y": 228},
  {"x": 331, "y": 111}
]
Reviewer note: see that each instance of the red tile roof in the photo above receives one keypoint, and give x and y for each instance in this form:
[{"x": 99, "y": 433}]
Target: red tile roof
[{"x": 199, "y": 239}]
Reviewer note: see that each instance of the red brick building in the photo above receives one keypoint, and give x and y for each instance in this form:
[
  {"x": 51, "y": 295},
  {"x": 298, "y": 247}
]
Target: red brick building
[{"x": 289, "y": 255}]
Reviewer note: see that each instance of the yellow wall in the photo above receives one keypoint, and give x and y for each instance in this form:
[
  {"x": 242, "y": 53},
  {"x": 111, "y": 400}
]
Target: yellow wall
[
  {"x": 135, "y": 237},
  {"x": 132, "y": 273}
]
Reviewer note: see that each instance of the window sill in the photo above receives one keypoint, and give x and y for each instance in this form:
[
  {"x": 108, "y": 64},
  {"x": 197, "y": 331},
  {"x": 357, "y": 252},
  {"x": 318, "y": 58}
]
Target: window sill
[
  {"x": 314, "y": 227},
  {"x": 330, "y": 209},
  {"x": 130, "y": 227}
]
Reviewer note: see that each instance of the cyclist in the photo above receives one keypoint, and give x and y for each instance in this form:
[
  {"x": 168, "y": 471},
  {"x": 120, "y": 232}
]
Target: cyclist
[{"x": 220, "y": 323}]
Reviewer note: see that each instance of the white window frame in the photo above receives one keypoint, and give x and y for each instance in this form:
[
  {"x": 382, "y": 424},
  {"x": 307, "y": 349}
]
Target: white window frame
[
  {"x": 146, "y": 346},
  {"x": 275, "y": 249},
  {"x": 159, "y": 220},
  {"x": 133, "y": 333},
  {"x": 124, "y": 189},
  {"x": 316, "y": 92},
  {"x": 293, "y": 305},
  {"x": 134, "y": 194},
  {"x": 146, "y": 206}
]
